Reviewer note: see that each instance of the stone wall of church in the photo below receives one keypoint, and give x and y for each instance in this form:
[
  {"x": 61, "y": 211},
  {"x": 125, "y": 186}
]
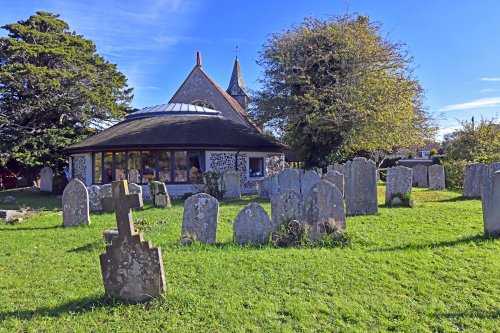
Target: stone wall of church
[{"x": 198, "y": 88}]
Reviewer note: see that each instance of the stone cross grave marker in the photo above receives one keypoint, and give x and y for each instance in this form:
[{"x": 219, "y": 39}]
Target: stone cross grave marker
[{"x": 132, "y": 269}]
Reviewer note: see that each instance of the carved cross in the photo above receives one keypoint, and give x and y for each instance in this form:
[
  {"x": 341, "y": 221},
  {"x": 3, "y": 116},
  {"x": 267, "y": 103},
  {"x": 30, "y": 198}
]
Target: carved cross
[
  {"x": 123, "y": 202},
  {"x": 236, "y": 51}
]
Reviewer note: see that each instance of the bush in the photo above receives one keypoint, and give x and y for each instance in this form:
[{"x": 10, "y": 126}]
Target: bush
[
  {"x": 455, "y": 173},
  {"x": 289, "y": 234}
]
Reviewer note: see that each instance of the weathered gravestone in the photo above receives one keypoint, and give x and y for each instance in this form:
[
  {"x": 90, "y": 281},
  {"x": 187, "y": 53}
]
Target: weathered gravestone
[
  {"x": 285, "y": 206},
  {"x": 436, "y": 177},
  {"x": 330, "y": 167},
  {"x": 307, "y": 180},
  {"x": 473, "y": 179},
  {"x": 46, "y": 179},
  {"x": 289, "y": 179},
  {"x": 75, "y": 201},
  {"x": 231, "y": 181},
  {"x": 360, "y": 186},
  {"x": 269, "y": 186},
  {"x": 132, "y": 269},
  {"x": 398, "y": 185},
  {"x": 336, "y": 178},
  {"x": 420, "y": 176},
  {"x": 338, "y": 167},
  {"x": 107, "y": 203},
  {"x": 319, "y": 171},
  {"x": 159, "y": 194},
  {"x": 490, "y": 199},
  {"x": 94, "y": 198},
  {"x": 323, "y": 208},
  {"x": 252, "y": 225},
  {"x": 201, "y": 212}
]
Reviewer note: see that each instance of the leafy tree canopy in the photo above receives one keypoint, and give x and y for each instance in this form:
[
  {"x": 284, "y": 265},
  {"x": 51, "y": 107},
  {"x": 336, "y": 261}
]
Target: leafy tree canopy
[
  {"x": 54, "y": 90},
  {"x": 336, "y": 88}
]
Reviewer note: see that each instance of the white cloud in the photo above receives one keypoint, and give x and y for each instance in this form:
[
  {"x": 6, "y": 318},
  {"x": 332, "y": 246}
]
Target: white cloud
[
  {"x": 475, "y": 104},
  {"x": 490, "y": 79},
  {"x": 487, "y": 90}
]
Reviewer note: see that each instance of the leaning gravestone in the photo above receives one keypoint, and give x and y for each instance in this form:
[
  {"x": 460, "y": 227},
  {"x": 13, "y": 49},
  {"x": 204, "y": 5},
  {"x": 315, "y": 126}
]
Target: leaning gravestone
[
  {"x": 231, "y": 181},
  {"x": 107, "y": 203},
  {"x": 436, "y": 177},
  {"x": 200, "y": 218},
  {"x": 289, "y": 179},
  {"x": 75, "y": 201},
  {"x": 94, "y": 198},
  {"x": 323, "y": 205},
  {"x": 46, "y": 179},
  {"x": 398, "y": 184},
  {"x": 252, "y": 225},
  {"x": 336, "y": 178},
  {"x": 307, "y": 180},
  {"x": 132, "y": 269},
  {"x": 473, "y": 179},
  {"x": 159, "y": 194},
  {"x": 420, "y": 176},
  {"x": 490, "y": 198},
  {"x": 285, "y": 207},
  {"x": 360, "y": 186}
]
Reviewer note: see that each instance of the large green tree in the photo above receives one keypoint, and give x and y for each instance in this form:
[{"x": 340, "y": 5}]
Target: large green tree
[
  {"x": 54, "y": 90},
  {"x": 338, "y": 87}
]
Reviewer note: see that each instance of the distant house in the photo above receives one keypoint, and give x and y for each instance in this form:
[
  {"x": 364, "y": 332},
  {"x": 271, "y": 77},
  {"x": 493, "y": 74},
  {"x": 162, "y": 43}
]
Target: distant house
[{"x": 203, "y": 127}]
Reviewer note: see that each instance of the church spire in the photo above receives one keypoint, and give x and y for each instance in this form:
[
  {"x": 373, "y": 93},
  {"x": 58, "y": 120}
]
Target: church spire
[{"x": 237, "y": 88}]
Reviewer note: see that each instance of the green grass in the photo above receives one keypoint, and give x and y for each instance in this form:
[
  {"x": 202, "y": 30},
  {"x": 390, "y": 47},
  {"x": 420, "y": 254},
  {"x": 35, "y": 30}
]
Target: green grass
[{"x": 426, "y": 268}]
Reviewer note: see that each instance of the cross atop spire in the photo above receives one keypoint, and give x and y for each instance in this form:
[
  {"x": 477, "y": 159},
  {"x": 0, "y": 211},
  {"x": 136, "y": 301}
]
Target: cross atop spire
[{"x": 236, "y": 51}]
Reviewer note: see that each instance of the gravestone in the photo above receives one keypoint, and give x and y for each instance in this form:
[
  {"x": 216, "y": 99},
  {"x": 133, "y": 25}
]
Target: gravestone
[
  {"x": 46, "y": 179},
  {"x": 307, "y": 180},
  {"x": 319, "y": 171},
  {"x": 473, "y": 179},
  {"x": 269, "y": 186},
  {"x": 420, "y": 176},
  {"x": 436, "y": 177},
  {"x": 336, "y": 178},
  {"x": 201, "y": 212},
  {"x": 75, "y": 202},
  {"x": 490, "y": 199},
  {"x": 252, "y": 225},
  {"x": 330, "y": 167},
  {"x": 107, "y": 203},
  {"x": 132, "y": 269},
  {"x": 94, "y": 198},
  {"x": 231, "y": 180},
  {"x": 398, "y": 184},
  {"x": 338, "y": 167},
  {"x": 285, "y": 206},
  {"x": 360, "y": 186},
  {"x": 324, "y": 204},
  {"x": 289, "y": 179},
  {"x": 159, "y": 194}
]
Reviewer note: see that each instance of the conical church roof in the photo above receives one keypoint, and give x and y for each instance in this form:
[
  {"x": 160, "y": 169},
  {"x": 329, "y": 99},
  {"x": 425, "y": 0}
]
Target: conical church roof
[{"x": 236, "y": 84}]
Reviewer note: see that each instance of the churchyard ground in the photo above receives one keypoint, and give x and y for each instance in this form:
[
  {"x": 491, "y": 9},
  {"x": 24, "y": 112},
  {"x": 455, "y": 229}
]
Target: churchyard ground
[{"x": 426, "y": 268}]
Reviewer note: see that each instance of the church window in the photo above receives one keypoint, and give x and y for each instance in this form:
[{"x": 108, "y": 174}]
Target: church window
[
  {"x": 97, "y": 168},
  {"x": 148, "y": 166},
  {"x": 134, "y": 166},
  {"x": 256, "y": 167},
  {"x": 120, "y": 166},
  {"x": 164, "y": 158},
  {"x": 107, "y": 175},
  {"x": 180, "y": 166}
]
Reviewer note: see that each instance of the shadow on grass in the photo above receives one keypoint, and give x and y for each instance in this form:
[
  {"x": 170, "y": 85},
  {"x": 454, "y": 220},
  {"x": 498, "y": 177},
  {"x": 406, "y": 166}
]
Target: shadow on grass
[
  {"x": 457, "y": 199},
  {"x": 90, "y": 247},
  {"x": 16, "y": 229},
  {"x": 477, "y": 239},
  {"x": 479, "y": 314},
  {"x": 74, "y": 307}
]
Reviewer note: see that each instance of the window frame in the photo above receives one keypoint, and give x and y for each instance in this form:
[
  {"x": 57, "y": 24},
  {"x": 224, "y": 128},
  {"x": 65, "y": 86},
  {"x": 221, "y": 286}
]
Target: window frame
[{"x": 263, "y": 165}]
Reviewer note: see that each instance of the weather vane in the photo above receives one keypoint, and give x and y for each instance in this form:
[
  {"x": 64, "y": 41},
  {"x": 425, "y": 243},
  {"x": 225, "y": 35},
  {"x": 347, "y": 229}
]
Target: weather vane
[{"x": 236, "y": 51}]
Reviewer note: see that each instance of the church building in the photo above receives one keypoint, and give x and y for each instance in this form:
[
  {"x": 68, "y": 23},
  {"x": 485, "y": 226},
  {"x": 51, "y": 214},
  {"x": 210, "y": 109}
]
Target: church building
[{"x": 203, "y": 127}]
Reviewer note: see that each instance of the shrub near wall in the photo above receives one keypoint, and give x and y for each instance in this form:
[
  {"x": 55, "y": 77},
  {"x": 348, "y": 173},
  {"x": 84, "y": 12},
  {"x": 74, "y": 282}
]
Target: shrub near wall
[{"x": 455, "y": 173}]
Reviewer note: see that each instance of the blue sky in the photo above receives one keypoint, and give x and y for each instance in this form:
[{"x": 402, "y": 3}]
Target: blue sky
[{"x": 455, "y": 44}]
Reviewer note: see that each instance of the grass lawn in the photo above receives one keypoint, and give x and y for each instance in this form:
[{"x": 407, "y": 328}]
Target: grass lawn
[{"x": 427, "y": 268}]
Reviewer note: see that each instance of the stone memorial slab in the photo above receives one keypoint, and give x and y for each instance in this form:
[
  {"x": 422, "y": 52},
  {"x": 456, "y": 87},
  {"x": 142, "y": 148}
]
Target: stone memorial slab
[
  {"x": 252, "y": 226},
  {"x": 132, "y": 269},
  {"x": 319, "y": 171},
  {"x": 264, "y": 187},
  {"x": 338, "y": 167},
  {"x": 436, "y": 177},
  {"x": 360, "y": 186},
  {"x": 107, "y": 203},
  {"x": 330, "y": 167},
  {"x": 231, "y": 180},
  {"x": 398, "y": 183},
  {"x": 336, "y": 178},
  {"x": 94, "y": 198},
  {"x": 420, "y": 176},
  {"x": 473, "y": 179},
  {"x": 490, "y": 199},
  {"x": 324, "y": 204},
  {"x": 201, "y": 213},
  {"x": 75, "y": 202},
  {"x": 285, "y": 206},
  {"x": 159, "y": 194},
  {"x": 46, "y": 179},
  {"x": 289, "y": 179},
  {"x": 307, "y": 180}
]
